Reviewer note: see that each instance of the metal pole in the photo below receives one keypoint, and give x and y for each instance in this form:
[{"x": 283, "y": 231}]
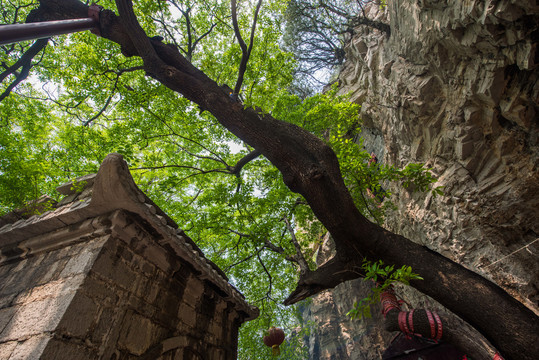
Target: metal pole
[{"x": 20, "y": 32}]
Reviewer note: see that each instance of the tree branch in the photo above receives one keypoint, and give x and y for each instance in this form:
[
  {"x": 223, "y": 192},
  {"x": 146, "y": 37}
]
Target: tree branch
[
  {"x": 270, "y": 278},
  {"x": 25, "y": 61},
  {"x": 236, "y": 169},
  {"x": 246, "y": 52},
  {"x": 89, "y": 121},
  {"x": 300, "y": 259}
]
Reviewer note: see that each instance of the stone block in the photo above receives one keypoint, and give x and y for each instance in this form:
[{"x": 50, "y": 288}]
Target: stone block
[
  {"x": 142, "y": 307},
  {"x": 36, "y": 318},
  {"x": 6, "y": 300},
  {"x": 108, "y": 318},
  {"x": 193, "y": 292},
  {"x": 51, "y": 269},
  {"x": 79, "y": 317},
  {"x": 80, "y": 263},
  {"x": 110, "y": 266},
  {"x": 5, "y": 316},
  {"x": 187, "y": 314},
  {"x": 138, "y": 334},
  {"x": 152, "y": 292},
  {"x": 60, "y": 349},
  {"x": 18, "y": 282},
  {"x": 170, "y": 304},
  {"x": 32, "y": 348},
  {"x": 103, "y": 292},
  {"x": 6, "y": 349},
  {"x": 50, "y": 290},
  {"x": 157, "y": 256}
]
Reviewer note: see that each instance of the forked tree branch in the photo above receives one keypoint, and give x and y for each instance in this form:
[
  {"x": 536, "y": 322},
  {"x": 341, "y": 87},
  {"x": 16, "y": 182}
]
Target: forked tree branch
[
  {"x": 303, "y": 265},
  {"x": 25, "y": 61},
  {"x": 245, "y": 51},
  {"x": 236, "y": 169}
]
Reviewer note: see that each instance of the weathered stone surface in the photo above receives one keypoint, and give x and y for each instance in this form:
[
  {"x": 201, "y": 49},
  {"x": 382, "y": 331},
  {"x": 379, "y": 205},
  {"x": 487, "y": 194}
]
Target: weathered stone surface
[
  {"x": 458, "y": 99},
  {"x": 31, "y": 348},
  {"x": 456, "y": 87},
  {"x": 333, "y": 334}
]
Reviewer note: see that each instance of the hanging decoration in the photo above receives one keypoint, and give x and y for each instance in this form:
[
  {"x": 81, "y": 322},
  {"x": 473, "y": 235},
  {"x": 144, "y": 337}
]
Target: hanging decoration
[{"x": 274, "y": 338}]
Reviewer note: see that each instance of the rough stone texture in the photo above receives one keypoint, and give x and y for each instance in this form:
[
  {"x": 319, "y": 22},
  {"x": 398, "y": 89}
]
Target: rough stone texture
[
  {"x": 456, "y": 87},
  {"x": 35, "y": 294},
  {"x": 107, "y": 275},
  {"x": 334, "y": 335}
]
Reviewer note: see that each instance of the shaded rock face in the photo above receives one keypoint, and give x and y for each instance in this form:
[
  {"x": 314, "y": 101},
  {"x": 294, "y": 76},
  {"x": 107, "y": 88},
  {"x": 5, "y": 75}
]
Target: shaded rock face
[
  {"x": 456, "y": 87},
  {"x": 334, "y": 336}
]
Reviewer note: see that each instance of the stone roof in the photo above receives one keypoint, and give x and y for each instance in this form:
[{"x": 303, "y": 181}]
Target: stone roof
[{"x": 112, "y": 188}]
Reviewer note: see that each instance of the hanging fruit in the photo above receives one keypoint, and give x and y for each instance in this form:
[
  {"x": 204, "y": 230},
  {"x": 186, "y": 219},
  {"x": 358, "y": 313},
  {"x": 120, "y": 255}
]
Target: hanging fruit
[{"x": 273, "y": 339}]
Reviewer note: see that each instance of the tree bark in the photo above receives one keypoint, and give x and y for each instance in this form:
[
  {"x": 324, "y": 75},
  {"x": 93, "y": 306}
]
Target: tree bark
[{"x": 310, "y": 168}]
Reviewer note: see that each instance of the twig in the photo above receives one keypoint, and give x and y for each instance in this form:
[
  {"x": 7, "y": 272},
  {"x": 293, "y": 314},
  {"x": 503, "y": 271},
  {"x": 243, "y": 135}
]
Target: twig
[
  {"x": 303, "y": 265},
  {"x": 268, "y": 293},
  {"x": 89, "y": 121}
]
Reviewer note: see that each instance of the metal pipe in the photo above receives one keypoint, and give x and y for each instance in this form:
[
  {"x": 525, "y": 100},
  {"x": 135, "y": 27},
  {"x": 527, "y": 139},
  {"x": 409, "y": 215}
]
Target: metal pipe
[{"x": 39, "y": 30}]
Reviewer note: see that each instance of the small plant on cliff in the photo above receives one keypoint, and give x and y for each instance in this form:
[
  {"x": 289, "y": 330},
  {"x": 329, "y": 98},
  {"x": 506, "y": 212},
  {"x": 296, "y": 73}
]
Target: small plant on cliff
[{"x": 384, "y": 277}]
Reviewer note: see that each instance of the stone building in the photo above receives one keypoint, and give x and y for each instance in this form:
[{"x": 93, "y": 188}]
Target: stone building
[{"x": 106, "y": 274}]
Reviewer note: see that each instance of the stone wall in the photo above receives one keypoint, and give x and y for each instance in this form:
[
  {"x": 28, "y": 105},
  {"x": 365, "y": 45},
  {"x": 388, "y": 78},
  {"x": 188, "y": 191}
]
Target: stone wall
[
  {"x": 117, "y": 296},
  {"x": 456, "y": 87},
  {"x": 35, "y": 295}
]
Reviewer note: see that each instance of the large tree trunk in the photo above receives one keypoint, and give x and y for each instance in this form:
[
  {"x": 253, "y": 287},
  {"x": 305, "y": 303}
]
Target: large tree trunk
[{"x": 310, "y": 168}]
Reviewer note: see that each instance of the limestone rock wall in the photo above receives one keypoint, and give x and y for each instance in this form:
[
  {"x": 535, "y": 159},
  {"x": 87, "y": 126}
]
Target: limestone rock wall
[
  {"x": 334, "y": 335},
  {"x": 456, "y": 87}
]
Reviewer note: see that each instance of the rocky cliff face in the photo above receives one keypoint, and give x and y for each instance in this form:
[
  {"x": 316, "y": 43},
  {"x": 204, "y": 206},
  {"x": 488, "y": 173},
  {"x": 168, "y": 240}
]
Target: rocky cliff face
[
  {"x": 334, "y": 335},
  {"x": 456, "y": 87}
]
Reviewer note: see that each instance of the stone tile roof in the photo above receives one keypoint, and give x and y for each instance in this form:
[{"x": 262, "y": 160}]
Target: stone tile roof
[{"x": 112, "y": 188}]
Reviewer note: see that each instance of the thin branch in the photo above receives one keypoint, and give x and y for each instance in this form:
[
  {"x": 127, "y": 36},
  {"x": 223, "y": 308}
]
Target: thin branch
[
  {"x": 268, "y": 293},
  {"x": 243, "y": 260},
  {"x": 122, "y": 71},
  {"x": 200, "y": 171},
  {"x": 244, "y": 161},
  {"x": 217, "y": 157},
  {"x": 246, "y": 52},
  {"x": 233, "y": 9},
  {"x": 240, "y": 234},
  {"x": 193, "y": 199},
  {"x": 303, "y": 265},
  {"x": 89, "y": 121},
  {"x": 25, "y": 61},
  {"x": 195, "y": 43}
]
